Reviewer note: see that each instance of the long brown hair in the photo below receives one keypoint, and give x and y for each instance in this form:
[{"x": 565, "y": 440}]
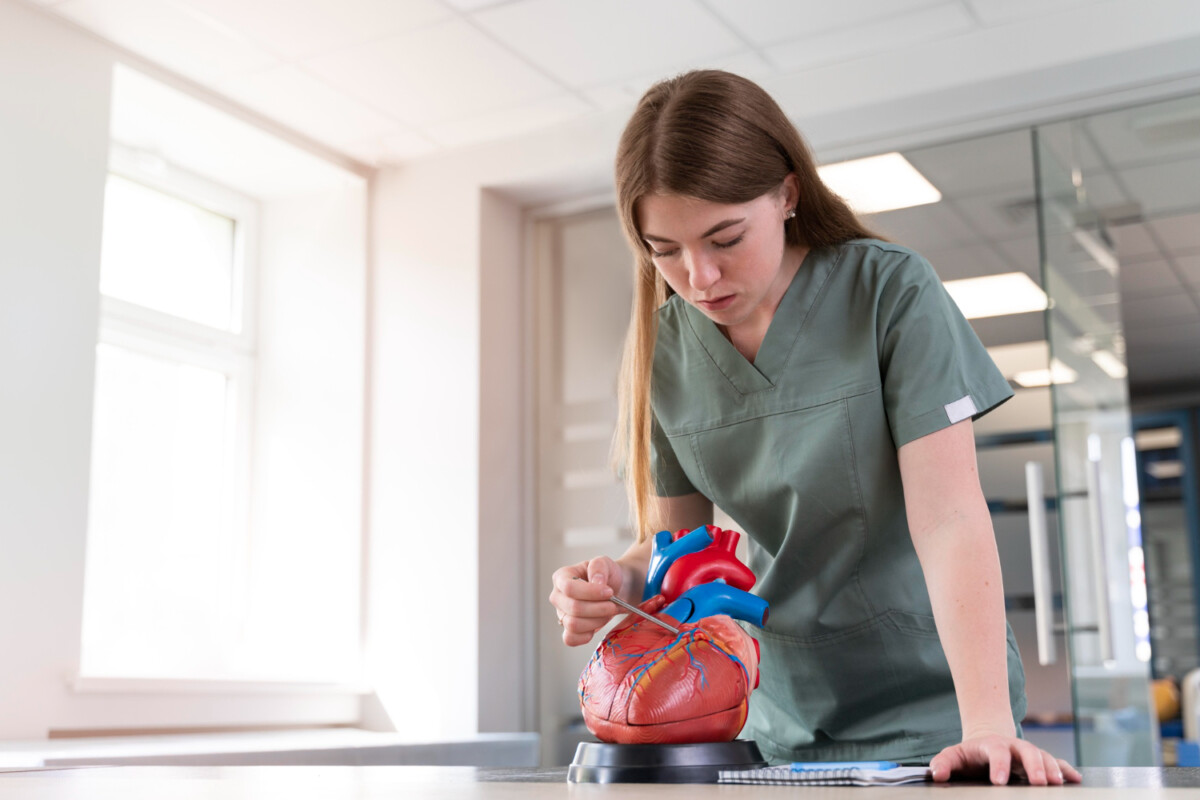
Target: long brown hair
[{"x": 718, "y": 137}]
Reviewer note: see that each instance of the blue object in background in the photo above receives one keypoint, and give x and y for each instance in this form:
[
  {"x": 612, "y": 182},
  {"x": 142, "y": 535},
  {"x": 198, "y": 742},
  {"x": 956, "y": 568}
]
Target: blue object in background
[
  {"x": 664, "y": 553},
  {"x": 1187, "y": 753},
  {"x": 708, "y": 599}
]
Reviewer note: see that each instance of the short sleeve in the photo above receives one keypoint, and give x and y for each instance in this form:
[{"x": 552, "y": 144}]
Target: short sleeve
[
  {"x": 935, "y": 371},
  {"x": 669, "y": 477}
]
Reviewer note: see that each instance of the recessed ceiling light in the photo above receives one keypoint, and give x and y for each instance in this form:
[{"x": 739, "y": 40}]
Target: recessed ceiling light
[
  {"x": 1112, "y": 365},
  {"x": 879, "y": 183},
  {"x": 1058, "y": 373},
  {"x": 997, "y": 295}
]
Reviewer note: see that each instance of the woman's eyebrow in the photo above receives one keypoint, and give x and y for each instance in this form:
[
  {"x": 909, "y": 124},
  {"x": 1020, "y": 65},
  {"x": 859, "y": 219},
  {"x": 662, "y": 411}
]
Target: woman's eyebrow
[{"x": 720, "y": 226}]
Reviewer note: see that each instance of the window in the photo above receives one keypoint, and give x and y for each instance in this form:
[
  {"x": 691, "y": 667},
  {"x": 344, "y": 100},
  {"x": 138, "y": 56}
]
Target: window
[{"x": 167, "y": 575}]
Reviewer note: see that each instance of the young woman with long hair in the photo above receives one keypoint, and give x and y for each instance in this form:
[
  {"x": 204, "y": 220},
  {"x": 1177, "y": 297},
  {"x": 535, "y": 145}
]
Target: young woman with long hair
[{"x": 818, "y": 385}]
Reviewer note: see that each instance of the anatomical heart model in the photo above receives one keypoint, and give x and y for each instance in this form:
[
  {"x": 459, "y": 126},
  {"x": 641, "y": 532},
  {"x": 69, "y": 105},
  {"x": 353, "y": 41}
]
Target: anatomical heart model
[{"x": 645, "y": 684}]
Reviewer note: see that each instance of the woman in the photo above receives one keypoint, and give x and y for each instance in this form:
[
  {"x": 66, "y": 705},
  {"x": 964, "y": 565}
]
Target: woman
[{"x": 818, "y": 385}]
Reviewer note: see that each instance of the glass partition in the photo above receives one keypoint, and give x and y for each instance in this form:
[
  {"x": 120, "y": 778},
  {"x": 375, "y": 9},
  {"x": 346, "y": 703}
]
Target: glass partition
[{"x": 1104, "y": 586}]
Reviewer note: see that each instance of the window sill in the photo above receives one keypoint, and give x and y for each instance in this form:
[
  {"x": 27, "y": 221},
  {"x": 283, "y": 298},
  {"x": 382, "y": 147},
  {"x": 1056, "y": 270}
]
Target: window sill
[
  {"x": 81, "y": 684},
  {"x": 327, "y": 747}
]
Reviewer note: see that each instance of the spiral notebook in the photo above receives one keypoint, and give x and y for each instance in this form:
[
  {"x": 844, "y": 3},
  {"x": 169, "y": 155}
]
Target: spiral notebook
[{"x": 826, "y": 775}]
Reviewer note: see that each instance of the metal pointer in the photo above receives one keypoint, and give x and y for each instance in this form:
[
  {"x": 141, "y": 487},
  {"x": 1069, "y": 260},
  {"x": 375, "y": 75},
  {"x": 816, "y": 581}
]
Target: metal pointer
[{"x": 635, "y": 610}]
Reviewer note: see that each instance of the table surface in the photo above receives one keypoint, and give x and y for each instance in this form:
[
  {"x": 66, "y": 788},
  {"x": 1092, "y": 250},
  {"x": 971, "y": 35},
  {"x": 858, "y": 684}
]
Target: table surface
[{"x": 367, "y": 783}]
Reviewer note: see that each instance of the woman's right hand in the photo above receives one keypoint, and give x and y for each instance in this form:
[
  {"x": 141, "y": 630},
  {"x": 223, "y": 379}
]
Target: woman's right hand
[{"x": 580, "y": 597}]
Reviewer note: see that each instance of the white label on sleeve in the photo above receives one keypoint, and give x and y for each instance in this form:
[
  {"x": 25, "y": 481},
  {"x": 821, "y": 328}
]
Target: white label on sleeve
[{"x": 961, "y": 409}]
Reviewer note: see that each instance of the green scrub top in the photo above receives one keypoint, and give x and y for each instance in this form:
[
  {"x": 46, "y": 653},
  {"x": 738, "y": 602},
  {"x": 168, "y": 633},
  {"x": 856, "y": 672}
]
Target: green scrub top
[{"x": 866, "y": 352}]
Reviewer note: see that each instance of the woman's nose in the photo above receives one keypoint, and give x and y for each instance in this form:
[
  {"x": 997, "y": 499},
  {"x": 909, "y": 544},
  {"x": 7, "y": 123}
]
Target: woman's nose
[{"x": 702, "y": 271}]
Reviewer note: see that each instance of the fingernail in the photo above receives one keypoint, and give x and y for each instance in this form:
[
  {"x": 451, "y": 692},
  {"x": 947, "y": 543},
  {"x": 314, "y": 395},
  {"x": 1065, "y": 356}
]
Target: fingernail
[{"x": 1001, "y": 777}]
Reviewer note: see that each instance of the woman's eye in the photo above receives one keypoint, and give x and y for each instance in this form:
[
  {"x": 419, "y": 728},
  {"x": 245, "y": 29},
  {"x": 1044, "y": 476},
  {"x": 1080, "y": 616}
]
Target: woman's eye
[
  {"x": 656, "y": 254},
  {"x": 730, "y": 243}
]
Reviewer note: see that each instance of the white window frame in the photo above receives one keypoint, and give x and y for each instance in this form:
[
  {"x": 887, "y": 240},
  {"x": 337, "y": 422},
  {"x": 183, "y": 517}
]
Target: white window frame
[{"x": 154, "y": 333}]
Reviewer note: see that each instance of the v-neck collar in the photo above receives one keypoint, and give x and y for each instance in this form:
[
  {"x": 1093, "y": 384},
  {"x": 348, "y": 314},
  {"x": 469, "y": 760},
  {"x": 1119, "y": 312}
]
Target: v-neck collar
[{"x": 748, "y": 377}]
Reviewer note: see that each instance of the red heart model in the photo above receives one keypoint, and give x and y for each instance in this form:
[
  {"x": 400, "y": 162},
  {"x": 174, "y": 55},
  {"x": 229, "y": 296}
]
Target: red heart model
[{"x": 647, "y": 685}]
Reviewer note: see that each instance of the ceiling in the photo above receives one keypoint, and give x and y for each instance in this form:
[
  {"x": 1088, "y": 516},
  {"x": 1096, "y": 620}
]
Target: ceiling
[{"x": 384, "y": 81}]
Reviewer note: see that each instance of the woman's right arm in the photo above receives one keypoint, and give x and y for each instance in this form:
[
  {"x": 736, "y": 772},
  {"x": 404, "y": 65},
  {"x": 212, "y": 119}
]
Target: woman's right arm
[{"x": 581, "y": 591}]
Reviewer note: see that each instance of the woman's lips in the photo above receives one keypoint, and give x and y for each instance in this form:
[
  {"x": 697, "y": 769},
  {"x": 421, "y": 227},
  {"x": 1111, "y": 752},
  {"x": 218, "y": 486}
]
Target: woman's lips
[{"x": 717, "y": 304}]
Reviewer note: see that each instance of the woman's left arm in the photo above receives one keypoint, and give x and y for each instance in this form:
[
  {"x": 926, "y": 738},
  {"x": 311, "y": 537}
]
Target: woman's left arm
[{"x": 952, "y": 533}]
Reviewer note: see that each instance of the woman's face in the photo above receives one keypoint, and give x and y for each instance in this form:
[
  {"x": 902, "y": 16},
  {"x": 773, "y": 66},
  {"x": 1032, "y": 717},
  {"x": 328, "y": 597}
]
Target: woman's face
[{"x": 729, "y": 261}]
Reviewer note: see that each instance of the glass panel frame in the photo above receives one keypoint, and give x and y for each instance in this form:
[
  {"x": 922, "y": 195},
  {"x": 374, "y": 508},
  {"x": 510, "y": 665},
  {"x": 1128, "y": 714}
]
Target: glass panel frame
[{"x": 1099, "y": 533}]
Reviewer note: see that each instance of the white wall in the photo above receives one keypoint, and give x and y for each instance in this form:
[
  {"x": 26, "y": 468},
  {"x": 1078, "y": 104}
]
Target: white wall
[
  {"x": 53, "y": 157},
  {"x": 309, "y": 433}
]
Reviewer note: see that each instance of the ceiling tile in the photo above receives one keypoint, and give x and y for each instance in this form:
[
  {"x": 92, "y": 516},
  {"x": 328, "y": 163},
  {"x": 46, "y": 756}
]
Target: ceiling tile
[
  {"x": 1179, "y": 232},
  {"x": 1148, "y": 134},
  {"x": 1159, "y": 309},
  {"x": 1148, "y": 279},
  {"x": 294, "y": 29},
  {"x": 1103, "y": 191},
  {"x": 1007, "y": 214},
  {"x": 994, "y": 12},
  {"x": 1133, "y": 242},
  {"x": 1167, "y": 335},
  {"x": 1189, "y": 268},
  {"x": 1176, "y": 365},
  {"x": 1023, "y": 254},
  {"x": 924, "y": 228},
  {"x": 770, "y": 21},
  {"x": 895, "y": 33},
  {"x": 437, "y": 74},
  {"x": 1063, "y": 145},
  {"x": 626, "y": 93},
  {"x": 1164, "y": 189},
  {"x": 170, "y": 35},
  {"x": 1010, "y": 328},
  {"x": 308, "y": 105},
  {"x": 971, "y": 261},
  {"x": 509, "y": 121},
  {"x": 592, "y": 44},
  {"x": 1093, "y": 283},
  {"x": 978, "y": 166}
]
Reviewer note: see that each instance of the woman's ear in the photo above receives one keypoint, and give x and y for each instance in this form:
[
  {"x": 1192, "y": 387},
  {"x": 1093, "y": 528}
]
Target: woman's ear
[{"x": 790, "y": 191}]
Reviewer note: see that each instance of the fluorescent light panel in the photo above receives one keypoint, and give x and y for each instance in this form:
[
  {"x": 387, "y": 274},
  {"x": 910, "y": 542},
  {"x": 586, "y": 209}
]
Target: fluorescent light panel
[
  {"x": 1058, "y": 373},
  {"x": 879, "y": 183},
  {"x": 1113, "y": 366},
  {"x": 997, "y": 295}
]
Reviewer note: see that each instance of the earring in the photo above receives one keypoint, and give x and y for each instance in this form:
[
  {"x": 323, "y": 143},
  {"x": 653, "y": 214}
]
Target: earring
[{"x": 791, "y": 214}]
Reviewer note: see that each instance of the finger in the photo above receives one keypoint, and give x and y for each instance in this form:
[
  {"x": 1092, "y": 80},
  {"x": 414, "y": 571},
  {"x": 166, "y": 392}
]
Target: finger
[
  {"x": 950, "y": 760},
  {"x": 597, "y": 611},
  {"x": 999, "y": 758},
  {"x": 573, "y": 639},
  {"x": 563, "y": 576},
  {"x": 1030, "y": 761},
  {"x": 605, "y": 572},
  {"x": 579, "y": 631},
  {"x": 1054, "y": 773},
  {"x": 1071, "y": 774}
]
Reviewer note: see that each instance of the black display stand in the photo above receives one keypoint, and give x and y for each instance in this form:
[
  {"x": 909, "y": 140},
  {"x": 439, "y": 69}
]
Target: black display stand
[{"x": 596, "y": 762}]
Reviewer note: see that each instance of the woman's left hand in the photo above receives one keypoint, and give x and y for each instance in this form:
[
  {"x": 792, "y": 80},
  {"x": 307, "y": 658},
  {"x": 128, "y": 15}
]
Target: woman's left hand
[{"x": 997, "y": 756}]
